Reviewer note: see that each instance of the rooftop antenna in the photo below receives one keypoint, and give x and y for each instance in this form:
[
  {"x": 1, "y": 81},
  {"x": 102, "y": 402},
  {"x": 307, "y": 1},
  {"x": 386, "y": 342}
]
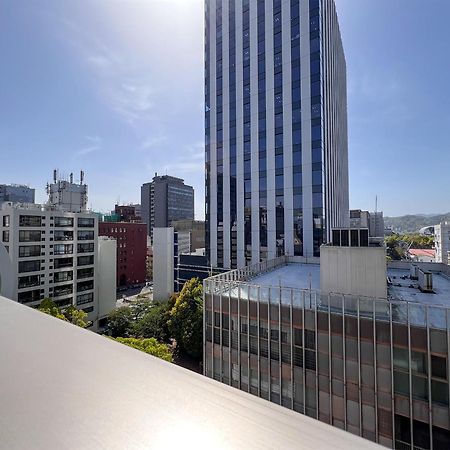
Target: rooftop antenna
[
  {"x": 81, "y": 177},
  {"x": 71, "y": 177},
  {"x": 55, "y": 175},
  {"x": 376, "y": 210}
]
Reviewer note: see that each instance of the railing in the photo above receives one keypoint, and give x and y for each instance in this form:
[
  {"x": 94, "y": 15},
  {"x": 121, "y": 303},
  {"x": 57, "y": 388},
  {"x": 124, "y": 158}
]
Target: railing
[
  {"x": 237, "y": 284},
  {"x": 250, "y": 271}
]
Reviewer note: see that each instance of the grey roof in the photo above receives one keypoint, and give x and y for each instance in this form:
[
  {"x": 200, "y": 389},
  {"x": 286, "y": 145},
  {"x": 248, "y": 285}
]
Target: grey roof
[
  {"x": 62, "y": 387},
  {"x": 292, "y": 275}
]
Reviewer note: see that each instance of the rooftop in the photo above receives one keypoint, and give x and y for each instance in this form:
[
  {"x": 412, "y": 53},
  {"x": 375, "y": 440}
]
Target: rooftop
[
  {"x": 292, "y": 275},
  {"x": 422, "y": 252},
  {"x": 299, "y": 283},
  {"x": 68, "y": 388}
]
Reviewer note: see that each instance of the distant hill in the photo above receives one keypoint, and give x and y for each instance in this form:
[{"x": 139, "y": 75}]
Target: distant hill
[{"x": 414, "y": 222}]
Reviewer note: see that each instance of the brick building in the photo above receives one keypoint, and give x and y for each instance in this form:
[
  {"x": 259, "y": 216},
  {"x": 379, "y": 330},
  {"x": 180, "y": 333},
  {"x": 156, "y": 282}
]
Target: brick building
[{"x": 131, "y": 250}]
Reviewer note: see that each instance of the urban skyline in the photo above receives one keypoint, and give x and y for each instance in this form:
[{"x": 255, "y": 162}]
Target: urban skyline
[
  {"x": 132, "y": 112},
  {"x": 284, "y": 291}
]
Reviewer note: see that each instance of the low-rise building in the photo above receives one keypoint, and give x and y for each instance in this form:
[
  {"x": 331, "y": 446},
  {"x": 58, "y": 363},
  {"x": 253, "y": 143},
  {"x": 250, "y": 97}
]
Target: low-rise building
[
  {"x": 131, "y": 250},
  {"x": 422, "y": 254},
  {"x": 338, "y": 342}
]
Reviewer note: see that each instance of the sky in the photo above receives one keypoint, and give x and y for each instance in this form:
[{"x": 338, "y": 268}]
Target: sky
[{"x": 115, "y": 87}]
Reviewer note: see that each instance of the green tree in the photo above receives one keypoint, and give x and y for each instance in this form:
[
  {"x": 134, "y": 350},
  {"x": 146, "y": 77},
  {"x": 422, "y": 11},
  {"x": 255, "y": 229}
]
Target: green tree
[
  {"x": 48, "y": 306},
  {"x": 120, "y": 322},
  {"x": 186, "y": 318},
  {"x": 69, "y": 314},
  {"x": 76, "y": 316},
  {"x": 140, "y": 307},
  {"x": 150, "y": 346},
  {"x": 153, "y": 323}
]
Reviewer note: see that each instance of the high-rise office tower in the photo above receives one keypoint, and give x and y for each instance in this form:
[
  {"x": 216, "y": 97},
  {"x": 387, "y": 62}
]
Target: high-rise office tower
[
  {"x": 275, "y": 129},
  {"x": 165, "y": 200}
]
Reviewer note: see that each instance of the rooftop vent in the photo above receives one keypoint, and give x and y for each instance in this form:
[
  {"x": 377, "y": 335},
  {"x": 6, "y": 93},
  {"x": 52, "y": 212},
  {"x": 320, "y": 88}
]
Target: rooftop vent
[
  {"x": 414, "y": 272},
  {"x": 425, "y": 280}
]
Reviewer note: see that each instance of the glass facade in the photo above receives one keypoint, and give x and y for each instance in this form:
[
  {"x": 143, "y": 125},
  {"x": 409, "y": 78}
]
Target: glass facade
[{"x": 296, "y": 178}]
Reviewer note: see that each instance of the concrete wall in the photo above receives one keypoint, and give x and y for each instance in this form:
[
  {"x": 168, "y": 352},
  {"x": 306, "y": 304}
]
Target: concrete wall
[
  {"x": 106, "y": 275},
  {"x": 6, "y": 273},
  {"x": 358, "y": 271},
  {"x": 163, "y": 265},
  {"x": 145, "y": 205}
]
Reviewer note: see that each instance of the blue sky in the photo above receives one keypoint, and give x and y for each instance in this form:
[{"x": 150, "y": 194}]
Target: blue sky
[{"x": 115, "y": 87}]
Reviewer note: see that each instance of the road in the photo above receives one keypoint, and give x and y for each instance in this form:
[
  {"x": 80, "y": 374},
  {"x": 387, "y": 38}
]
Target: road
[{"x": 130, "y": 295}]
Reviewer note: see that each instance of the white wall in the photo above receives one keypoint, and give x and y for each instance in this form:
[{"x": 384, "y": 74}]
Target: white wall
[
  {"x": 6, "y": 274},
  {"x": 106, "y": 275},
  {"x": 163, "y": 263},
  {"x": 358, "y": 271}
]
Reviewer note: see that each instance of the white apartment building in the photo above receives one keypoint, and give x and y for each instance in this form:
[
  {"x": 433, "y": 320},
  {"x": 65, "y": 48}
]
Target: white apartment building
[
  {"x": 442, "y": 242},
  {"x": 55, "y": 254}
]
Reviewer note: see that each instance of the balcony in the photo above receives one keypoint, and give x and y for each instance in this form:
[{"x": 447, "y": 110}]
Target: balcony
[{"x": 155, "y": 403}]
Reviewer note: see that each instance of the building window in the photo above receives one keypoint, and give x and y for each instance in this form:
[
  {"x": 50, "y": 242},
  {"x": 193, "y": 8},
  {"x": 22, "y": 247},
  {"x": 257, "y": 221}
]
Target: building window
[
  {"x": 29, "y": 296},
  {"x": 29, "y": 250},
  {"x": 86, "y": 222},
  {"x": 29, "y": 281},
  {"x": 5, "y": 236},
  {"x": 85, "y": 286},
  {"x": 86, "y": 248},
  {"x": 30, "y": 266},
  {"x": 63, "y": 262},
  {"x": 85, "y": 298},
  {"x": 85, "y": 273},
  {"x": 29, "y": 221},
  {"x": 63, "y": 276},
  {"x": 85, "y": 235},
  {"x": 6, "y": 221},
  {"x": 63, "y": 249},
  {"x": 63, "y": 221},
  {"x": 85, "y": 260},
  {"x": 29, "y": 236},
  {"x": 63, "y": 290},
  {"x": 438, "y": 367},
  {"x": 63, "y": 235}
]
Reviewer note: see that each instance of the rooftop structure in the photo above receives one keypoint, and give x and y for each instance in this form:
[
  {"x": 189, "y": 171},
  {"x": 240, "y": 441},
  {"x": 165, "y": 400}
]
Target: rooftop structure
[
  {"x": 127, "y": 213},
  {"x": 107, "y": 395},
  {"x": 66, "y": 195}
]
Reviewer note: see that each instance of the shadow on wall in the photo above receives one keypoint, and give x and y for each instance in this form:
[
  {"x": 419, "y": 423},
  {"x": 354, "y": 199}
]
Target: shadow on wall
[{"x": 6, "y": 273}]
